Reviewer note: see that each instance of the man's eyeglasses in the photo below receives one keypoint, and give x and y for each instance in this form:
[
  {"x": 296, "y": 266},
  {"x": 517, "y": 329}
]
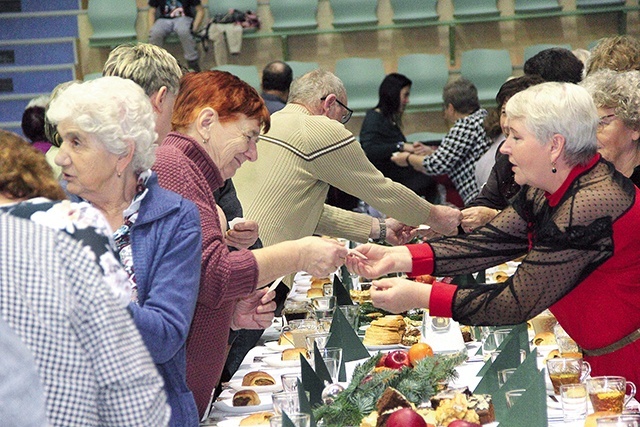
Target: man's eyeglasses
[
  {"x": 606, "y": 120},
  {"x": 345, "y": 117}
]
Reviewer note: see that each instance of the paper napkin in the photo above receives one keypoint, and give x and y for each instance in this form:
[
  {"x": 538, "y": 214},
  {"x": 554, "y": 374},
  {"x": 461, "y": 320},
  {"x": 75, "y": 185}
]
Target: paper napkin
[
  {"x": 530, "y": 410},
  {"x": 311, "y": 382},
  {"x": 509, "y": 357},
  {"x": 286, "y": 421},
  {"x": 321, "y": 368},
  {"x": 343, "y": 336},
  {"x": 340, "y": 292},
  {"x": 305, "y": 405}
]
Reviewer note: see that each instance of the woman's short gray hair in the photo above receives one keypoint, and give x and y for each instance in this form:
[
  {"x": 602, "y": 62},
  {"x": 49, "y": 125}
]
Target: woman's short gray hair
[
  {"x": 559, "y": 108},
  {"x": 114, "y": 110},
  {"x": 620, "y": 91},
  {"x": 309, "y": 88}
]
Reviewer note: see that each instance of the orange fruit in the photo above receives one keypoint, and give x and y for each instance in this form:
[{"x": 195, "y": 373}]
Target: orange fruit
[{"x": 419, "y": 351}]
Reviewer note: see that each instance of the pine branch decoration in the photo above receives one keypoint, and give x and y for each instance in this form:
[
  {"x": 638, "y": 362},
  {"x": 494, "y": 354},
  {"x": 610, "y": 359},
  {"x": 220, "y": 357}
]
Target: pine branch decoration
[{"x": 418, "y": 384}]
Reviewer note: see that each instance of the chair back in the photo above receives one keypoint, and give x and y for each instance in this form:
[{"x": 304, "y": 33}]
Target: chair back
[
  {"x": 488, "y": 69},
  {"x": 301, "y": 68},
  {"x": 294, "y": 15},
  {"x": 113, "y": 22},
  {"x": 248, "y": 73},
  {"x": 533, "y": 6},
  {"x": 361, "y": 78},
  {"x": 474, "y": 8},
  {"x": 428, "y": 73},
  {"x": 412, "y": 11},
  {"x": 224, "y": 6},
  {"x": 349, "y": 13}
]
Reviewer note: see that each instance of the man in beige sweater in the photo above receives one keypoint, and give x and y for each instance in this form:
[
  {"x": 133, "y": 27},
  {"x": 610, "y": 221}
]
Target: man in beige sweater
[{"x": 308, "y": 149}]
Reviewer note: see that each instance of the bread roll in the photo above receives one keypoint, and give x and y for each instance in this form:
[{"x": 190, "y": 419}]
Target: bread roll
[
  {"x": 257, "y": 419},
  {"x": 318, "y": 282},
  {"x": 294, "y": 353},
  {"x": 257, "y": 378},
  {"x": 286, "y": 338},
  {"x": 552, "y": 355},
  {"x": 246, "y": 398},
  {"x": 314, "y": 293},
  {"x": 544, "y": 338}
]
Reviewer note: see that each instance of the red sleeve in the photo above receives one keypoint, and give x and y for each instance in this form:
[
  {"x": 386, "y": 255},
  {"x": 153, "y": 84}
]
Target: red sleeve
[
  {"x": 422, "y": 258},
  {"x": 441, "y": 299}
]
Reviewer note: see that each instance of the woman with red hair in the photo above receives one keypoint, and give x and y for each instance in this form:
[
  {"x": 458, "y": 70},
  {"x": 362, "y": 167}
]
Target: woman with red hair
[{"x": 216, "y": 122}]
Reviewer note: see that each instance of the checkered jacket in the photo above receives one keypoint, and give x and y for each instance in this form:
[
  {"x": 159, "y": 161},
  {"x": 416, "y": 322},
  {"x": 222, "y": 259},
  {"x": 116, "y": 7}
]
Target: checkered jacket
[
  {"x": 92, "y": 362},
  {"x": 458, "y": 153}
]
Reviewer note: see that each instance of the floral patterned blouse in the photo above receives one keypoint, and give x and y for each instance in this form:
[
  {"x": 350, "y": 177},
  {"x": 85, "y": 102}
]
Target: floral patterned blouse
[
  {"x": 122, "y": 235},
  {"x": 87, "y": 225}
]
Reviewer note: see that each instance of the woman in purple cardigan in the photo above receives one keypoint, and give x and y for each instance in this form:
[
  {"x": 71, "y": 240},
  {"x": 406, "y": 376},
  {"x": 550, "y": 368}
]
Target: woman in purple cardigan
[{"x": 107, "y": 128}]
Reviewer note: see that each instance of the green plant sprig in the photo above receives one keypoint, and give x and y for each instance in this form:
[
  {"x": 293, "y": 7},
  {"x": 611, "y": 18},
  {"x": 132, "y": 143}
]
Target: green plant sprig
[{"x": 417, "y": 384}]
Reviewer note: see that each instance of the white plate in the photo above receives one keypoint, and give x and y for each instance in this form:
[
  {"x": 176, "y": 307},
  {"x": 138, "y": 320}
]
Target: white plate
[
  {"x": 226, "y": 405},
  {"x": 364, "y": 327},
  {"x": 273, "y": 345},
  {"x": 230, "y": 422},
  {"x": 384, "y": 347},
  {"x": 553, "y": 404},
  {"x": 277, "y": 362},
  {"x": 237, "y": 385},
  {"x": 299, "y": 298}
]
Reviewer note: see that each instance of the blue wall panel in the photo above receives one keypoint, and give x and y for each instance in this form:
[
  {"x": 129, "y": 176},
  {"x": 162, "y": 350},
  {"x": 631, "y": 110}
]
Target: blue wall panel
[
  {"x": 37, "y": 28},
  {"x": 46, "y": 6},
  {"x": 37, "y": 81},
  {"x": 42, "y": 54}
]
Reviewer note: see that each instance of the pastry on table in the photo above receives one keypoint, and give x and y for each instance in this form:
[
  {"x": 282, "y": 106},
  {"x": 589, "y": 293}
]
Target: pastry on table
[
  {"x": 385, "y": 330},
  {"x": 286, "y": 338},
  {"x": 246, "y": 398},
  {"x": 257, "y": 419},
  {"x": 544, "y": 338},
  {"x": 315, "y": 293},
  {"x": 319, "y": 282},
  {"x": 294, "y": 353},
  {"x": 466, "y": 333},
  {"x": 257, "y": 378},
  {"x": 460, "y": 404}
]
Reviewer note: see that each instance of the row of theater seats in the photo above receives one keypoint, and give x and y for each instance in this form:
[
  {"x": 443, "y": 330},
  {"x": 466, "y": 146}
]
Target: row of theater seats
[
  {"x": 488, "y": 69},
  {"x": 113, "y": 21}
]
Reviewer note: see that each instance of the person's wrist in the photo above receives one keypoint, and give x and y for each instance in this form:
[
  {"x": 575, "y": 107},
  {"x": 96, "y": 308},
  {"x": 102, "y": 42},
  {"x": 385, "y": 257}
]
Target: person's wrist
[
  {"x": 382, "y": 235},
  {"x": 400, "y": 146}
]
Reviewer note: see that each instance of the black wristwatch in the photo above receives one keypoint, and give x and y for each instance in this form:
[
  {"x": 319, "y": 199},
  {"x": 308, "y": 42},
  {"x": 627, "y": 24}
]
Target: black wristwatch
[{"x": 400, "y": 146}]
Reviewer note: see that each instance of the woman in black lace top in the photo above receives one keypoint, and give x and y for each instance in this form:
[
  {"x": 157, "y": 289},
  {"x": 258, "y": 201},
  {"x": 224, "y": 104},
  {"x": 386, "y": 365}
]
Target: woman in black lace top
[{"x": 572, "y": 221}]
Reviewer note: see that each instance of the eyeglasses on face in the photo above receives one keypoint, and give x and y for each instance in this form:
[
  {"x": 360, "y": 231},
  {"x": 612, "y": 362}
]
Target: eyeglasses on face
[
  {"x": 606, "y": 120},
  {"x": 345, "y": 117}
]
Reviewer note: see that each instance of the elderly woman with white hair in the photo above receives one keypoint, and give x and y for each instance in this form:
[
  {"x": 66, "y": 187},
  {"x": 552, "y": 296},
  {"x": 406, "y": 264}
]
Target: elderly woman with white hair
[
  {"x": 571, "y": 221},
  {"x": 617, "y": 97},
  {"x": 107, "y": 132}
]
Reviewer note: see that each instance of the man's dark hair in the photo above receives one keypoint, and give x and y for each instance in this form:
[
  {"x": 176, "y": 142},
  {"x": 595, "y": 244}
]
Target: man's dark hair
[
  {"x": 277, "y": 75},
  {"x": 462, "y": 94},
  {"x": 555, "y": 65},
  {"x": 33, "y": 124}
]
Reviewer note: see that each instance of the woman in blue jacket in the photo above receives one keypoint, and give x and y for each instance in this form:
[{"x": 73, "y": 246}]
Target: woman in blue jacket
[{"x": 107, "y": 132}]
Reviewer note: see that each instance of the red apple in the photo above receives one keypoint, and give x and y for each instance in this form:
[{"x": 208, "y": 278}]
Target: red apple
[
  {"x": 397, "y": 359},
  {"x": 406, "y": 417},
  {"x": 463, "y": 423},
  {"x": 381, "y": 361}
]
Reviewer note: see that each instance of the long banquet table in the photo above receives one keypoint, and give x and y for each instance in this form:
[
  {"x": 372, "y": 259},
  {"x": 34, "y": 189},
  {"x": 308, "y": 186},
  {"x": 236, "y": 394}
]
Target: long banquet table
[{"x": 223, "y": 415}]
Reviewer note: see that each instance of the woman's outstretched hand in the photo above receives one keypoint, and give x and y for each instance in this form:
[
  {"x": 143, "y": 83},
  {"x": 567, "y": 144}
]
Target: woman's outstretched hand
[{"x": 398, "y": 295}]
